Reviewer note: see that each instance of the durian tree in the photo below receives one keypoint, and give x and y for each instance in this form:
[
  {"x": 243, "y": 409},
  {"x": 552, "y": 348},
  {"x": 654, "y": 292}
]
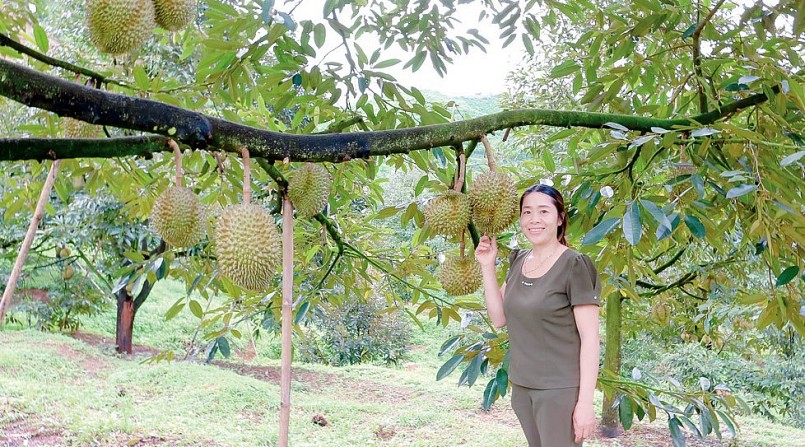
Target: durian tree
[{"x": 681, "y": 134}]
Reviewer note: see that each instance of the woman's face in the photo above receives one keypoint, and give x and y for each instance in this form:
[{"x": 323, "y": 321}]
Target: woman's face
[{"x": 539, "y": 219}]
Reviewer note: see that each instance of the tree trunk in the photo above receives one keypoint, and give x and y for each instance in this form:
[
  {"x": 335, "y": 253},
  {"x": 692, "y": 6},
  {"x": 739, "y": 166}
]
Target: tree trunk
[
  {"x": 612, "y": 361},
  {"x": 125, "y": 321}
]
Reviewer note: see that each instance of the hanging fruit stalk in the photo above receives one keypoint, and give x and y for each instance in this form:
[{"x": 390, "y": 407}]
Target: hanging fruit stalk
[{"x": 39, "y": 212}]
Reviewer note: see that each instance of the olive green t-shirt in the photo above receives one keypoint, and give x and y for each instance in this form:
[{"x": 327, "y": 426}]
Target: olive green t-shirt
[{"x": 543, "y": 338}]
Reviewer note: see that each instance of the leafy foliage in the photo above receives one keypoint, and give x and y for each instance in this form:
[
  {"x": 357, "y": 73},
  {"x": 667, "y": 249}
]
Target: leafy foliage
[{"x": 355, "y": 332}]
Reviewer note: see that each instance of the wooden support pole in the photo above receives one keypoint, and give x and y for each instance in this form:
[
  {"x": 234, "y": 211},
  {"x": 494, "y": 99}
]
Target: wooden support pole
[
  {"x": 287, "y": 320},
  {"x": 39, "y": 212}
]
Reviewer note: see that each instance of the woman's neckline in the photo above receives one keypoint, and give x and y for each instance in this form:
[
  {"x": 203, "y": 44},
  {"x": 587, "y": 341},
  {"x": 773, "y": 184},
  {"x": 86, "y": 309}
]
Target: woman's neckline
[{"x": 556, "y": 261}]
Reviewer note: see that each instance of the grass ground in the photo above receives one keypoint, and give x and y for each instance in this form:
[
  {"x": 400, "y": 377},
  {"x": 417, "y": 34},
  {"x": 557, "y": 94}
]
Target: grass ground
[{"x": 58, "y": 390}]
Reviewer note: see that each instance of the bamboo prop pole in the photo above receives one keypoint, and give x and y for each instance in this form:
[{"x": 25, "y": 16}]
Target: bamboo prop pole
[
  {"x": 39, "y": 212},
  {"x": 287, "y": 319}
]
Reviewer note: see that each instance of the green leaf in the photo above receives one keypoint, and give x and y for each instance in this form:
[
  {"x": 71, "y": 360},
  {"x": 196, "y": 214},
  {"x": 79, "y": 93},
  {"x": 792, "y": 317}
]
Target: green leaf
[
  {"x": 656, "y": 213},
  {"x": 41, "y": 38},
  {"x": 319, "y": 34},
  {"x": 175, "y": 309},
  {"x": 490, "y": 393},
  {"x": 791, "y": 159},
  {"x": 728, "y": 421},
  {"x": 223, "y": 345},
  {"x": 740, "y": 190},
  {"x": 695, "y": 226},
  {"x": 787, "y": 275},
  {"x": 663, "y": 231},
  {"x": 529, "y": 46},
  {"x": 677, "y": 435},
  {"x": 301, "y": 312},
  {"x": 474, "y": 369},
  {"x": 689, "y": 32},
  {"x": 195, "y": 308},
  {"x": 449, "y": 344},
  {"x": 502, "y": 378},
  {"x": 632, "y": 227},
  {"x": 565, "y": 68},
  {"x": 626, "y": 412},
  {"x": 599, "y": 231},
  {"x": 547, "y": 160},
  {"x": 288, "y": 22},
  {"x": 698, "y": 184},
  {"x": 449, "y": 366},
  {"x": 141, "y": 78},
  {"x": 387, "y": 63}
]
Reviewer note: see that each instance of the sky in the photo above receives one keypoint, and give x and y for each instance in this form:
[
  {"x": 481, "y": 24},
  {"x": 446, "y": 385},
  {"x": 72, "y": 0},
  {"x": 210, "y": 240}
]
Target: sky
[{"x": 473, "y": 74}]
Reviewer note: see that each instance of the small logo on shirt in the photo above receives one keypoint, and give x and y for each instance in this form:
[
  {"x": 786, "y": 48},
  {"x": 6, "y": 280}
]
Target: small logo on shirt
[
  {"x": 595, "y": 297},
  {"x": 527, "y": 284}
]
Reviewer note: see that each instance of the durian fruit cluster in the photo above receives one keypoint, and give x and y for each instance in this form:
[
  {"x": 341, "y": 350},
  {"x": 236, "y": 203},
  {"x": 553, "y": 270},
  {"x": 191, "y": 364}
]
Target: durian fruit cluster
[
  {"x": 491, "y": 204},
  {"x": 123, "y": 26}
]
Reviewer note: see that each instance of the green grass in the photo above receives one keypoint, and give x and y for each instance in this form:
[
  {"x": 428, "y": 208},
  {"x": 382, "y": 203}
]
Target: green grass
[{"x": 83, "y": 395}]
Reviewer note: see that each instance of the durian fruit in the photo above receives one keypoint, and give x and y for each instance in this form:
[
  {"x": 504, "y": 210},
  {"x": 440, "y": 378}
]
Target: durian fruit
[
  {"x": 120, "y": 26},
  {"x": 74, "y": 128},
  {"x": 248, "y": 246},
  {"x": 448, "y": 213},
  {"x": 68, "y": 272},
  {"x": 64, "y": 252},
  {"x": 179, "y": 217},
  {"x": 493, "y": 197},
  {"x": 309, "y": 189},
  {"x": 460, "y": 275},
  {"x": 174, "y": 14}
]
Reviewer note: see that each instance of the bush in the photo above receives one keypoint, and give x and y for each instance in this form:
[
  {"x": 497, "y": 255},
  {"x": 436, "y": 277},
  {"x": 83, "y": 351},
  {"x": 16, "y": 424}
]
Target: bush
[
  {"x": 773, "y": 385},
  {"x": 355, "y": 332}
]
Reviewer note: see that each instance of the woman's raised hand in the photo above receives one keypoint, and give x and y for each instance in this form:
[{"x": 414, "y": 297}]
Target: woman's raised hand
[{"x": 486, "y": 251}]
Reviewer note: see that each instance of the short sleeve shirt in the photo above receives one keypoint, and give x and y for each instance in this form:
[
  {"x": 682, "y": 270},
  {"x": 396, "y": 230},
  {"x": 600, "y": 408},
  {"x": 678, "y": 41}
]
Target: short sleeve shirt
[{"x": 543, "y": 338}]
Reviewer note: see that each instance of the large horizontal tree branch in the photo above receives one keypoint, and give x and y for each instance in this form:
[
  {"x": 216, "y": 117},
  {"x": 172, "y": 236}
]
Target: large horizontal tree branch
[{"x": 36, "y": 89}]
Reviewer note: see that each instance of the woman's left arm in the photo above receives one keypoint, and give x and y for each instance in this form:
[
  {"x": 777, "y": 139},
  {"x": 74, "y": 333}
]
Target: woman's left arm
[{"x": 587, "y": 323}]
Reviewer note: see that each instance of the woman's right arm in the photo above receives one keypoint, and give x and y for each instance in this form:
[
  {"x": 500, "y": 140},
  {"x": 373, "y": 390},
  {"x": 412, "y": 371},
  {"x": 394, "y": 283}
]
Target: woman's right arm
[{"x": 486, "y": 253}]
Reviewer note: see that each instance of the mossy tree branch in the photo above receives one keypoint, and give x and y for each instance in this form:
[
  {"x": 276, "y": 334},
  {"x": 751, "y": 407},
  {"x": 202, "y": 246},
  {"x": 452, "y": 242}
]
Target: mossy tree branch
[{"x": 36, "y": 89}]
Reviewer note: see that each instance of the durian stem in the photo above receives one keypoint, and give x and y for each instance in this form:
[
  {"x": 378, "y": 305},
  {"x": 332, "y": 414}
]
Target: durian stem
[
  {"x": 247, "y": 180},
  {"x": 39, "y": 212},
  {"x": 287, "y": 320},
  {"x": 177, "y": 160},
  {"x": 462, "y": 245},
  {"x": 490, "y": 157},
  {"x": 462, "y": 163}
]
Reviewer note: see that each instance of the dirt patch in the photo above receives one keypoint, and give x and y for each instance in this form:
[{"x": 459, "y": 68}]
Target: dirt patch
[
  {"x": 108, "y": 343},
  {"x": 361, "y": 390},
  {"x": 27, "y": 431},
  {"x": 656, "y": 435},
  {"x": 92, "y": 365}
]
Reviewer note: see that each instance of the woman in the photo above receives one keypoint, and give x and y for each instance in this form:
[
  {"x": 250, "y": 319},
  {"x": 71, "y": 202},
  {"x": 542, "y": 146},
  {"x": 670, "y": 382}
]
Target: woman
[{"x": 549, "y": 302}]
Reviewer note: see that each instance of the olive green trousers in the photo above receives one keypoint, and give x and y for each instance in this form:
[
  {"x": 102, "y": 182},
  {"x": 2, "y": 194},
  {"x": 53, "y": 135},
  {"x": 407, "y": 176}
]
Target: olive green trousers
[{"x": 546, "y": 416}]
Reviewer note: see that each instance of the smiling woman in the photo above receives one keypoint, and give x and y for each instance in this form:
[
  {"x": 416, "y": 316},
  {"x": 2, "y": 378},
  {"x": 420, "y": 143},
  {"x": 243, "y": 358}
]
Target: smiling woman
[{"x": 549, "y": 302}]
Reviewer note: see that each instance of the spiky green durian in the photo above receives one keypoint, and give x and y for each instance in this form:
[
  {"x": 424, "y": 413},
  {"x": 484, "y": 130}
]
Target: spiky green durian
[
  {"x": 174, "y": 14},
  {"x": 248, "y": 246},
  {"x": 448, "y": 213},
  {"x": 74, "y": 128},
  {"x": 494, "y": 202},
  {"x": 460, "y": 275},
  {"x": 120, "y": 26},
  {"x": 178, "y": 217},
  {"x": 309, "y": 189}
]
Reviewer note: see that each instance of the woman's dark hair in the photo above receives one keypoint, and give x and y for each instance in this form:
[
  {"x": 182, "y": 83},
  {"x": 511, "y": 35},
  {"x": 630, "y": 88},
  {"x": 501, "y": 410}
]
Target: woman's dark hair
[{"x": 558, "y": 202}]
